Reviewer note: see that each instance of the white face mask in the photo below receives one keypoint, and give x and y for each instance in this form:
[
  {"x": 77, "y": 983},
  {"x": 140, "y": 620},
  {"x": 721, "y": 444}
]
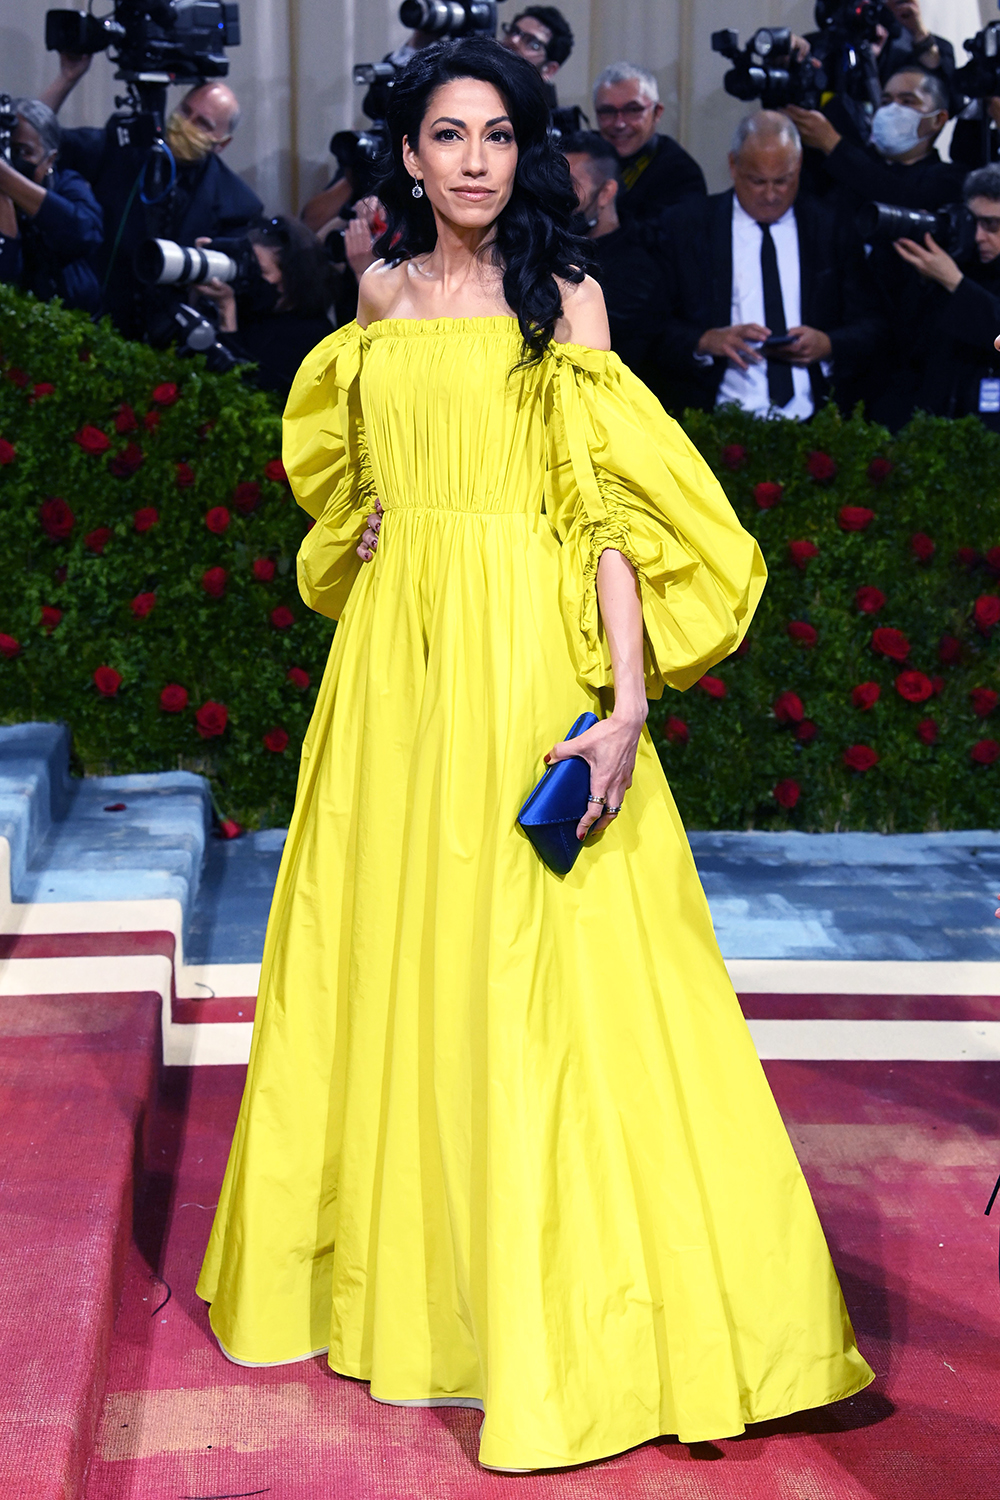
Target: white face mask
[{"x": 895, "y": 129}]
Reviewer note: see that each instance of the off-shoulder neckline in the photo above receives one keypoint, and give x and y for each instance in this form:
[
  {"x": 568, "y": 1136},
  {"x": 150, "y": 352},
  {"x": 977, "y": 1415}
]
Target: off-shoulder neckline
[{"x": 461, "y": 325}]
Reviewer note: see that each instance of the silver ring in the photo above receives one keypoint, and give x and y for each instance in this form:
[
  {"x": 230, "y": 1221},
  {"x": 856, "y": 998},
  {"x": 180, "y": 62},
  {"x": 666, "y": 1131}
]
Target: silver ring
[
  {"x": 614, "y": 811},
  {"x": 601, "y": 800}
]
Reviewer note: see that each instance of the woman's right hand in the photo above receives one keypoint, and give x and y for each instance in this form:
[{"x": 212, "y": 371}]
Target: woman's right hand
[{"x": 369, "y": 537}]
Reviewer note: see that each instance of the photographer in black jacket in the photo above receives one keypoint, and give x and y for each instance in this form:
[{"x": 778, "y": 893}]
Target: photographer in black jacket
[
  {"x": 952, "y": 365},
  {"x": 50, "y": 222}
]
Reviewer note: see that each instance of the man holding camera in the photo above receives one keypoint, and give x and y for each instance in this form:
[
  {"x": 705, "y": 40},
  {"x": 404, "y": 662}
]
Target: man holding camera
[
  {"x": 206, "y": 199},
  {"x": 953, "y": 368},
  {"x": 768, "y": 300}
]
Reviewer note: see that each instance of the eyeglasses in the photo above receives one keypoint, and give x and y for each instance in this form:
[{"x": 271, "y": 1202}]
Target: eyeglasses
[
  {"x": 529, "y": 42},
  {"x": 988, "y": 224},
  {"x": 633, "y": 111}
]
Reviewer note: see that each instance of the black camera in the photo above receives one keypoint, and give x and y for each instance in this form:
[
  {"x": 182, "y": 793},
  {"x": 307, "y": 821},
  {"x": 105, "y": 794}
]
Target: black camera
[
  {"x": 449, "y": 17},
  {"x": 8, "y": 124},
  {"x": 952, "y": 226},
  {"x": 165, "y": 263},
  {"x": 182, "y": 38},
  {"x": 856, "y": 20},
  {"x": 766, "y": 70},
  {"x": 980, "y": 77}
]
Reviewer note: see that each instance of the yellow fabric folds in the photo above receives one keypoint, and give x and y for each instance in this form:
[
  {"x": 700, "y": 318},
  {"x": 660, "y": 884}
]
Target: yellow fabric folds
[{"x": 505, "y": 1137}]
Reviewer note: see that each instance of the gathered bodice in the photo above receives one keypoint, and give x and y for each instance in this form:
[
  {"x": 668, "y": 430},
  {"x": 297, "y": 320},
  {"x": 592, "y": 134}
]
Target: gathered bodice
[{"x": 468, "y": 435}]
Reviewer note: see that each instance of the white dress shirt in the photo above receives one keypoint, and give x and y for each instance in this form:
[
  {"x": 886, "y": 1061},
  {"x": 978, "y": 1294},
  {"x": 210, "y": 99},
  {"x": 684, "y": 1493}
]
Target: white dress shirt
[{"x": 748, "y": 388}]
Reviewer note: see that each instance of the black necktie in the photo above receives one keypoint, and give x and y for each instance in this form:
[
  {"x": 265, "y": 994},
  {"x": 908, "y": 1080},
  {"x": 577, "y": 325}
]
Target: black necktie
[{"x": 780, "y": 385}]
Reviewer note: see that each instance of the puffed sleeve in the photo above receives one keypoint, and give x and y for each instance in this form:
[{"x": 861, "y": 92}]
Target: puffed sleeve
[
  {"x": 621, "y": 474},
  {"x": 325, "y": 454}
]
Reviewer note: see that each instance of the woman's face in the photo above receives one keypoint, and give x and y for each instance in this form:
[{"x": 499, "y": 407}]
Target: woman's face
[
  {"x": 466, "y": 154},
  {"x": 35, "y": 160},
  {"x": 267, "y": 259}
]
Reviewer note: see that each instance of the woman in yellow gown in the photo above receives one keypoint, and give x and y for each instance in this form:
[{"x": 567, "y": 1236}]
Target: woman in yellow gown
[{"x": 505, "y": 1140}]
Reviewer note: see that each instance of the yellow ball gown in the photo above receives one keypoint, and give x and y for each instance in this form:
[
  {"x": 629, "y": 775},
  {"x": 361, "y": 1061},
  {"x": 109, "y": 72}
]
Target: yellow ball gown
[{"x": 505, "y": 1139}]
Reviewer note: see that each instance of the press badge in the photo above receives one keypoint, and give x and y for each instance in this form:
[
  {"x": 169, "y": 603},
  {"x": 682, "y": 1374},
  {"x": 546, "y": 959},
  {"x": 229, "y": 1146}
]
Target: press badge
[{"x": 989, "y": 395}]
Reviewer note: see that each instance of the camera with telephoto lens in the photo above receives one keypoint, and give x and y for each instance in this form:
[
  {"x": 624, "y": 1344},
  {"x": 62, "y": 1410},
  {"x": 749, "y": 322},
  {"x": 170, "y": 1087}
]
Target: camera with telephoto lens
[
  {"x": 953, "y": 226},
  {"x": 165, "y": 263},
  {"x": 980, "y": 77},
  {"x": 766, "y": 70}
]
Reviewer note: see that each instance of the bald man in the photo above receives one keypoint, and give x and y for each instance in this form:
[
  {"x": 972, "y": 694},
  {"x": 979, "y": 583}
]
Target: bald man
[
  {"x": 207, "y": 198},
  {"x": 768, "y": 296}
]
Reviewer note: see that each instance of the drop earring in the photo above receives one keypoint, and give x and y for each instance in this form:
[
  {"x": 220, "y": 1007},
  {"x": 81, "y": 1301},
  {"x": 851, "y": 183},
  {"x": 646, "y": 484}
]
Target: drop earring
[{"x": 417, "y": 189}]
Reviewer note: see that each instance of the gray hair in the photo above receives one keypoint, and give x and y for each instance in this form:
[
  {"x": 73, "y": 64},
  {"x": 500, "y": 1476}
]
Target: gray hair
[
  {"x": 765, "y": 125},
  {"x": 984, "y": 182},
  {"x": 38, "y": 115},
  {"x": 626, "y": 72}
]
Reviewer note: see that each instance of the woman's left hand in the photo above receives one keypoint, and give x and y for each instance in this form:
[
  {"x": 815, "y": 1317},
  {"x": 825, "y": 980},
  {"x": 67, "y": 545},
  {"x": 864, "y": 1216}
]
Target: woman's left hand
[{"x": 609, "y": 749}]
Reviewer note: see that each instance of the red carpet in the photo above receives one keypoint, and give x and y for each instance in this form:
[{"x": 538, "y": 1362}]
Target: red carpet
[{"x": 901, "y": 1158}]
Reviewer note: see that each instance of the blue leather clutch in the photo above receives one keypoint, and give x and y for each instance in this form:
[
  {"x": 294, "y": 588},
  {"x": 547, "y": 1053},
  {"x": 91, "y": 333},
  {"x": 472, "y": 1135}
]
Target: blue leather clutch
[{"x": 552, "y": 812}]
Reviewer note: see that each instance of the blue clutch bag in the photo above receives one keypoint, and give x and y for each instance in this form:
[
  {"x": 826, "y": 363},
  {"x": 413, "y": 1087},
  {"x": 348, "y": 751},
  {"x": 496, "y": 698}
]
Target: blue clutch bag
[{"x": 555, "y": 807}]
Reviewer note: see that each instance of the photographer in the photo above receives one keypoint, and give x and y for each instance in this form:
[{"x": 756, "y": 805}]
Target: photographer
[
  {"x": 900, "y": 165},
  {"x": 205, "y": 200},
  {"x": 276, "y": 323},
  {"x": 50, "y": 222},
  {"x": 914, "y": 45},
  {"x": 656, "y": 172},
  {"x": 953, "y": 368},
  {"x": 543, "y": 37}
]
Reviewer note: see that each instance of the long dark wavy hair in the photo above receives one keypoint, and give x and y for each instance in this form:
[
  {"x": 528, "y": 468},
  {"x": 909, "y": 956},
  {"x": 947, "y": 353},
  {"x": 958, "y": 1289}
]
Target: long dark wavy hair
[{"x": 533, "y": 241}]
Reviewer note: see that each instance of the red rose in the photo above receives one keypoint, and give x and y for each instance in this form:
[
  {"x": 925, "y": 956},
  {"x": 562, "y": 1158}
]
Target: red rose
[
  {"x": 891, "y": 643},
  {"x": 9, "y": 647},
  {"x": 276, "y": 740},
  {"x": 806, "y": 731},
  {"x": 927, "y": 731},
  {"x": 921, "y": 546},
  {"x": 787, "y": 793},
  {"x": 217, "y": 519},
  {"x": 142, "y": 605},
  {"x": 967, "y": 557},
  {"x": 788, "y": 708},
  {"x": 983, "y": 700},
  {"x": 734, "y": 456},
  {"x": 263, "y": 569},
  {"x": 986, "y": 612},
  {"x": 92, "y": 440},
  {"x": 17, "y": 377},
  {"x": 767, "y": 494},
  {"x": 151, "y": 421},
  {"x": 57, "y": 519},
  {"x": 166, "y": 394},
  {"x": 949, "y": 650},
  {"x": 800, "y": 554},
  {"x": 274, "y": 470},
  {"x": 914, "y": 687},
  {"x": 879, "y": 470},
  {"x": 184, "y": 476},
  {"x": 107, "y": 681},
  {"x": 985, "y": 752},
  {"x": 860, "y": 758},
  {"x": 229, "y": 828},
  {"x": 855, "y": 517},
  {"x": 821, "y": 467},
  {"x": 713, "y": 686},
  {"x": 246, "y": 496},
  {"x": 128, "y": 462},
  {"x": 213, "y": 581},
  {"x": 146, "y": 518},
  {"x": 96, "y": 541},
  {"x": 282, "y": 617},
  {"x": 868, "y": 599},
  {"x": 300, "y": 679},
  {"x": 43, "y": 388},
  {"x": 993, "y": 559},
  {"x": 8, "y": 452},
  {"x": 211, "y": 720},
  {"x": 866, "y": 695},
  {"x": 174, "y": 698},
  {"x": 50, "y": 618},
  {"x": 801, "y": 633},
  {"x": 125, "y": 420},
  {"x": 677, "y": 731}
]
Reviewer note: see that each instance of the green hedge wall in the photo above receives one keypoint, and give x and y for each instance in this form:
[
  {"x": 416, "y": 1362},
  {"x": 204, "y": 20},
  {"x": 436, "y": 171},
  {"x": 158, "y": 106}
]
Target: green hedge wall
[{"x": 149, "y": 538}]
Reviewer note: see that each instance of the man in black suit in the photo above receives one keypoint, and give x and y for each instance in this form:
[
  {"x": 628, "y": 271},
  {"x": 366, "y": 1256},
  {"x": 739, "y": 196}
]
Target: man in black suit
[
  {"x": 656, "y": 172},
  {"x": 757, "y": 263}
]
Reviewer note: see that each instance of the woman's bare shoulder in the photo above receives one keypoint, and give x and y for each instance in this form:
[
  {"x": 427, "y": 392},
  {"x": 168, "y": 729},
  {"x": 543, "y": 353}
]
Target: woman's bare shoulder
[
  {"x": 584, "y": 317},
  {"x": 379, "y": 289}
]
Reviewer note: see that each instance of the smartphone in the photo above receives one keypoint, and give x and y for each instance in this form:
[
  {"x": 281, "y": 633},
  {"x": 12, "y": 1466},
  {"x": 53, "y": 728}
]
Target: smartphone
[{"x": 778, "y": 341}]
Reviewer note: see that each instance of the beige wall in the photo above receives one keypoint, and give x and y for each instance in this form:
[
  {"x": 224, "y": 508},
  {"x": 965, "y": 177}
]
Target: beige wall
[{"x": 293, "y": 70}]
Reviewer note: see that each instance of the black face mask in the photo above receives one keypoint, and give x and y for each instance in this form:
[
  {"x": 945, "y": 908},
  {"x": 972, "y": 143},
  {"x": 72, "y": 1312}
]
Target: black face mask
[
  {"x": 259, "y": 298},
  {"x": 583, "y": 221},
  {"x": 21, "y": 164}
]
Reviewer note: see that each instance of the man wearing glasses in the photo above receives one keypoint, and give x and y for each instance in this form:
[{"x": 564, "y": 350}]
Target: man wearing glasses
[
  {"x": 656, "y": 171},
  {"x": 956, "y": 312},
  {"x": 542, "y": 36}
]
